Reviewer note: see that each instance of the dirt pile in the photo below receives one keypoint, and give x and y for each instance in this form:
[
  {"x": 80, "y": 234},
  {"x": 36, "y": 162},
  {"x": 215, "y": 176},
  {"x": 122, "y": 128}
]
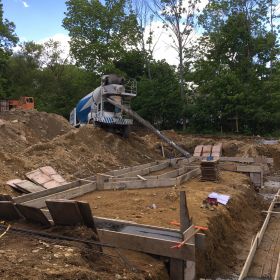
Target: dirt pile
[
  {"x": 22, "y": 128},
  {"x": 31, "y": 139},
  {"x": 52, "y": 259},
  {"x": 239, "y": 146}
]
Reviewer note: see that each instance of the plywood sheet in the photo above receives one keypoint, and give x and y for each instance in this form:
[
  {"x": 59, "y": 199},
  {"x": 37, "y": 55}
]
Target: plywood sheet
[
  {"x": 65, "y": 212},
  {"x": 29, "y": 187}
]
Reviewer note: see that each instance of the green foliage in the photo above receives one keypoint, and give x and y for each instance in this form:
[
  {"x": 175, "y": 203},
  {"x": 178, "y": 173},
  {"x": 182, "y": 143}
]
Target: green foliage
[
  {"x": 232, "y": 75},
  {"x": 39, "y": 71},
  {"x": 100, "y": 33},
  {"x": 8, "y": 40},
  {"x": 158, "y": 99}
]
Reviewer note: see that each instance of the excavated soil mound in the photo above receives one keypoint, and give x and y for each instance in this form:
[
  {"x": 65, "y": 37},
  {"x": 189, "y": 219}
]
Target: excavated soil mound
[
  {"x": 28, "y": 258},
  {"x": 31, "y": 139}
]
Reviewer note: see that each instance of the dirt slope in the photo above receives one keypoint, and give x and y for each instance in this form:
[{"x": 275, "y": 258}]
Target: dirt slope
[{"x": 31, "y": 139}]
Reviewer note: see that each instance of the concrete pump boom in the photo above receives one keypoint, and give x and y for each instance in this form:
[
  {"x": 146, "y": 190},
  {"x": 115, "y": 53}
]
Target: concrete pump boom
[{"x": 149, "y": 126}]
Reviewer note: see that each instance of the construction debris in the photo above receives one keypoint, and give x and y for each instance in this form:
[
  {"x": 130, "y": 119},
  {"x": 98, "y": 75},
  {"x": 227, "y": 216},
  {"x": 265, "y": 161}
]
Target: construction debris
[
  {"x": 40, "y": 179},
  {"x": 220, "y": 198},
  {"x": 205, "y": 151},
  {"x": 47, "y": 177}
]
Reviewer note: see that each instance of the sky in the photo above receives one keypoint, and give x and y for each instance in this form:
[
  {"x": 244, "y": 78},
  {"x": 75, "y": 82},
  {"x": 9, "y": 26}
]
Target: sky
[
  {"x": 35, "y": 19},
  {"x": 40, "y": 20}
]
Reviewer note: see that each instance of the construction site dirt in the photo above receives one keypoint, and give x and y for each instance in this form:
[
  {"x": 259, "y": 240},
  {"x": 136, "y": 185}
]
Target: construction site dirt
[{"x": 29, "y": 140}]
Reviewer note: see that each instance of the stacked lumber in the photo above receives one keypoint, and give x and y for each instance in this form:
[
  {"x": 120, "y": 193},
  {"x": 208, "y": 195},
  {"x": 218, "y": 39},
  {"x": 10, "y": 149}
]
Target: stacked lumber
[
  {"x": 209, "y": 170},
  {"x": 208, "y": 150},
  {"x": 217, "y": 151},
  {"x": 38, "y": 180},
  {"x": 198, "y": 151}
]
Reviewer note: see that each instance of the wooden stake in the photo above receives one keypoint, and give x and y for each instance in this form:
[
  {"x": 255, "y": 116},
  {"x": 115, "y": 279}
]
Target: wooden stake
[
  {"x": 185, "y": 222},
  {"x": 162, "y": 151}
]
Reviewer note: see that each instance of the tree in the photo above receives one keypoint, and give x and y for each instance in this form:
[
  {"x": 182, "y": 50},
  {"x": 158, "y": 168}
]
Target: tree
[
  {"x": 39, "y": 70},
  {"x": 8, "y": 40},
  {"x": 158, "y": 99},
  {"x": 232, "y": 72},
  {"x": 179, "y": 17},
  {"x": 100, "y": 33}
]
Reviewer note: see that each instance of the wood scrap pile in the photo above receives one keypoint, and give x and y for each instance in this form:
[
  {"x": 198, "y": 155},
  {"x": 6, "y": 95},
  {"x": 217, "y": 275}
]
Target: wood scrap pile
[
  {"x": 205, "y": 151},
  {"x": 209, "y": 170},
  {"x": 38, "y": 180}
]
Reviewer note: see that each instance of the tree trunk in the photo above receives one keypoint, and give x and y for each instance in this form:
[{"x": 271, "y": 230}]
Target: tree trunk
[{"x": 181, "y": 75}]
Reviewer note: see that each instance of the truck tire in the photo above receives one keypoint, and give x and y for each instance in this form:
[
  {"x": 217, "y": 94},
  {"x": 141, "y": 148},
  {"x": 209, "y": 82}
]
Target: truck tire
[{"x": 125, "y": 131}]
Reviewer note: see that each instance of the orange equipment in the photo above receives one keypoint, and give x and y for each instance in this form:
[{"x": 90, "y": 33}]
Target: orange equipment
[{"x": 25, "y": 102}]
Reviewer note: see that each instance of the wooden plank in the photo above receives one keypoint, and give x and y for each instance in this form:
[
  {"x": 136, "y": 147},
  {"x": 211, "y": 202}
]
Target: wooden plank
[
  {"x": 277, "y": 272},
  {"x": 146, "y": 171},
  {"x": 126, "y": 179},
  {"x": 185, "y": 177},
  {"x": 148, "y": 245},
  {"x": 238, "y": 159},
  {"x": 106, "y": 222},
  {"x": 32, "y": 196},
  {"x": 246, "y": 159},
  {"x": 249, "y": 259},
  {"x": 29, "y": 187},
  {"x": 258, "y": 239},
  {"x": 189, "y": 232},
  {"x": 65, "y": 212},
  {"x": 33, "y": 215},
  {"x": 152, "y": 182},
  {"x": 185, "y": 221},
  {"x": 160, "y": 166},
  {"x": 119, "y": 172},
  {"x": 68, "y": 194},
  {"x": 185, "y": 161},
  {"x": 142, "y": 178},
  {"x": 8, "y": 211},
  {"x": 139, "y": 184},
  {"x": 86, "y": 213},
  {"x": 175, "y": 173},
  {"x": 249, "y": 168},
  {"x": 141, "y": 172}
]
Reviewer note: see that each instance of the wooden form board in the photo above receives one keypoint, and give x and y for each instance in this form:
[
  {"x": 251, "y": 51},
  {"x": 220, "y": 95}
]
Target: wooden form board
[
  {"x": 8, "y": 211},
  {"x": 68, "y": 194},
  {"x": 119, "y": 172},
  {"x": 65, "y": 212},
  {"x": 277, "y": 273},
  {"x": 169, "y": 174},
  {"x": 258, "y": 239},
  {"x": 249, "y": 168},
  {"x": 80, "y": 187},
  {"x": 146, "y": 171},
  {"x": 247, "y": 160},
  {"x": 150, "y": 183},
  {"x": 32, "y": 196},
  {"x": 33, "y": 214},
  {"x": 145, "y": 244},
  {"x": 82, "y": 182}
]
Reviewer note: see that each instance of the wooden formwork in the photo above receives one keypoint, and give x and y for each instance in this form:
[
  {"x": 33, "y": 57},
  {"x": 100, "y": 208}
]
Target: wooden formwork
[
  {"x": 258, "y": 239},
  {"x": 124, "y": 234}
]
